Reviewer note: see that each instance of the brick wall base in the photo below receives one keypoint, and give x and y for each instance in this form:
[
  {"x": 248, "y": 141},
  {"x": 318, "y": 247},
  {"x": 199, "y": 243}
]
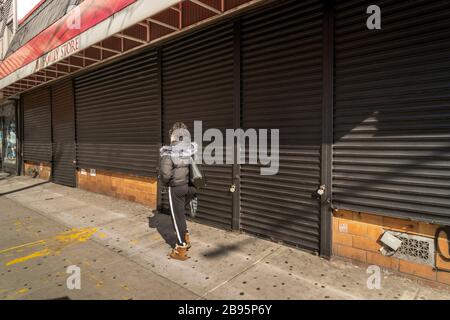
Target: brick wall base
[
  {"x": 356, "y": 236},
  {"x": 122, "y": 186},
  {"x": 38, "y": 170}
]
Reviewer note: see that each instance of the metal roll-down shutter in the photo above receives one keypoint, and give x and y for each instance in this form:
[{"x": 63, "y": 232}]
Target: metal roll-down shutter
[
  {"x": 118, "y": 116},
  {"x": 63, "y": 121},
  {"x": 37, "y": 126},
  {"x": 198, "y": 85},
  {"x": 392, "y": 110},
  {"x": 282, "y": 89}
]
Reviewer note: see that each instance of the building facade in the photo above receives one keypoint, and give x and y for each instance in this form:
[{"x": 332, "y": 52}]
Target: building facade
[{"x": 363, "y": 114}]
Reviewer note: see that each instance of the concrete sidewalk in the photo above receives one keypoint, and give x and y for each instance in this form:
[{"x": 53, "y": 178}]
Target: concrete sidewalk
[{"x": 122, "y": 251}]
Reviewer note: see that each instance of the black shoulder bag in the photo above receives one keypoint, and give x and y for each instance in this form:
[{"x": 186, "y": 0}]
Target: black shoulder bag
[{"x": 196, "y": 176}]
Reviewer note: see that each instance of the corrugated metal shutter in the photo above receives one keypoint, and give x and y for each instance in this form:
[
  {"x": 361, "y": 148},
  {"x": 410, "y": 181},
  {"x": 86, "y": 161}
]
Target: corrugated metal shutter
[
  {"x": 392, "y": 114},
  {"x": 37, "y": 126},
  {"x": 282, "y": 89},
  {"x": 63, "y": 120},
  {"x": 198, "y": 85},
  {"x": 118, "y": 116}
]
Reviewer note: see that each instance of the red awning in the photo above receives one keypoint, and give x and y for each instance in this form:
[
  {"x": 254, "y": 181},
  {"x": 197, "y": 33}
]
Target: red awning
[
  {"x": 107, "y": 29},
  {"x": 90, "y": 13}
]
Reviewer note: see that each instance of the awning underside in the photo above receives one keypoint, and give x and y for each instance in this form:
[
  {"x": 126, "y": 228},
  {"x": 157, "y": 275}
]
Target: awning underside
[{"x": 172, "y": 20}]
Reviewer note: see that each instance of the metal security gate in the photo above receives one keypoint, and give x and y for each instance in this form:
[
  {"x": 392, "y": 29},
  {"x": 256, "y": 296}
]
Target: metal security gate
[
  {"x": 282, "y": 65},
  {"x": 392, "y": 115},
  {"x": 197, "y": 84},
  {"x": 63, "y": 123},
  {"x": 118, "y": 116},
  {"x": 37, "y": 126}
]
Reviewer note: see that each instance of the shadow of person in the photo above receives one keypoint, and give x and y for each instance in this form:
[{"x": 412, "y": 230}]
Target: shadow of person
[{"x": 164, "y": 225}]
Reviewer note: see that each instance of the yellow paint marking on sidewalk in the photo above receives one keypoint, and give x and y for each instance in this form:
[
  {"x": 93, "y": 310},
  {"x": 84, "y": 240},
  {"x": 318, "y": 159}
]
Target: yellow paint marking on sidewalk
[
  {"x": 22, "y": 291},
  {"x": 41, "y": 253},
  {"x": 156, "y": 236},
  {"x": 26, "y": 245},
  {"x": 17, "y": 293},
  {"x": 102, "y": 235},
  {"x": 54, "y": 245},
  {"x": 76, "y": 235}
]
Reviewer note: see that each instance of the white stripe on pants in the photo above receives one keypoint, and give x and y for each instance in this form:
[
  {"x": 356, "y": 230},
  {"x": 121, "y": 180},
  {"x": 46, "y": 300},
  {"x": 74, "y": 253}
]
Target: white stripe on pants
[{"x": 173, "y": 216}]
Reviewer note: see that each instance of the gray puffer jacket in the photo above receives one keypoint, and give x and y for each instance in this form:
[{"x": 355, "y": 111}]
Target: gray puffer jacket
[{"x": 175, "y": 160}]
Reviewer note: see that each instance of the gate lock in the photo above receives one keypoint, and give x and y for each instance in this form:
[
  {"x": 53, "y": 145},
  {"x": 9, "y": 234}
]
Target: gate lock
[
  {"x": 233, "y": 188},
  {"x": 321, "y": 190}
]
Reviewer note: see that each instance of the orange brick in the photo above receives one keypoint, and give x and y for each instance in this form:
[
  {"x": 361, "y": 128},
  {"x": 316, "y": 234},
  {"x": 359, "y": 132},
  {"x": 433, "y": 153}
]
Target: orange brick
[
  {"x": 444, "y": 249},
  {"x": 354, "y": 227},
  {"x": 427, "y": 229},
  {"x": 441, "y": 263},
  {"x": 443, "y": 243},
  {"x": 443, "y": 277},
  {"x": 400, "y": 225},
  {"x": 132, "y": 188},
  {"x": 368, "y": 218},
  {"x": 418, "y": 270},
  {"x": 146, "y": 188},
  {"x": 351, "y": 253},
  {"x": 335, "y": 225},
  {"x": 343, "y": 238},
  {"x": 344, "y": 214},
  {"x": 365, "y": 244},
  {"x": 374, "y": 232},
  {"x": 382, "y": 261},
  {"x": 335, "y": 249}
]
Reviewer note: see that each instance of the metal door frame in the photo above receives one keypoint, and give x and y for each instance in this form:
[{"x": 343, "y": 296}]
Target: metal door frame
[
  {"x": 326, "y": 163},
  {"x": 75, "y": 140},
  {"x": 237, "y": 122},
  {"x": 52, "y": 151}
]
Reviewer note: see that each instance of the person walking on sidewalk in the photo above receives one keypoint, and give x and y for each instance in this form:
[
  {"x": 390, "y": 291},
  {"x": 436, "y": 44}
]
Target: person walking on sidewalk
[{"x": 174, "y": 170}]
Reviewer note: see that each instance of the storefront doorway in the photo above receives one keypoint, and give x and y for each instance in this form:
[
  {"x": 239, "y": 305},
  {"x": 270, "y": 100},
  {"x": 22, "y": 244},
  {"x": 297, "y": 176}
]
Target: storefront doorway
[{"x": 8, "y": 138}]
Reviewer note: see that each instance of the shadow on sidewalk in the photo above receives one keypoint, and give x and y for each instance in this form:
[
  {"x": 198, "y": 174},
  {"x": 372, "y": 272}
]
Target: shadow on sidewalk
[
  {"x": 24, "y": 188},
  {"x": 224, "y": 250},
  {"x": 164, "y": 225}
]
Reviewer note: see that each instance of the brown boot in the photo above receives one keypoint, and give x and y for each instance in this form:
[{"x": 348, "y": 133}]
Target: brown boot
[
  {"x": 179, "y": 253},
  {"x": 187, "y": 240}
]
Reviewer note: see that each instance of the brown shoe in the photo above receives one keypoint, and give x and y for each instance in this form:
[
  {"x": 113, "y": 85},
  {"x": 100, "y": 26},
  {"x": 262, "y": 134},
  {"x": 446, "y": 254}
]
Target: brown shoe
[
  {"x": 187, "y": 240},
  {"x": 179, "y": 253}
]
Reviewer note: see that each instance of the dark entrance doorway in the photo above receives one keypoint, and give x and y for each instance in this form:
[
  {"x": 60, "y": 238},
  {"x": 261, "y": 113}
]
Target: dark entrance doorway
[
  {"x": 63, "y": 119},
  {"x": 8, "y": 138}
]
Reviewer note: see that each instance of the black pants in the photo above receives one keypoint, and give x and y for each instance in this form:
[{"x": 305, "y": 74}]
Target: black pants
[{"x": 179, "y": 197}]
